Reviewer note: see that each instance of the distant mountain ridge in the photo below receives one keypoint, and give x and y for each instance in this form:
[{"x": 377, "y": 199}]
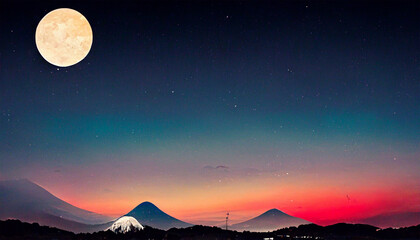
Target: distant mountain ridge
[
  {"x": 27, "y": 201},
  {"x": 393, "y": 219},
  {"x": 271, "y": 220},
  {"x": 148, "y": 214}
]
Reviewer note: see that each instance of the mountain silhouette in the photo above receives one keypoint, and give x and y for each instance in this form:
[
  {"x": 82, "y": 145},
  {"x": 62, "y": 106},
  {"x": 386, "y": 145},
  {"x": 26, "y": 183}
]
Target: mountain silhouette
[
  {"x": 27, "y": 201},
  {"x": 269, "y": 221},
  {"x": 393, "y": 219},
  {"x": 148, "y": 214}
]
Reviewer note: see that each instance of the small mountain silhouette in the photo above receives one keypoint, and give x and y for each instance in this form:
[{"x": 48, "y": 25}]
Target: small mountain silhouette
[
  {"x": 271, "y": 220},
  {"x": 148, "y": 214}
]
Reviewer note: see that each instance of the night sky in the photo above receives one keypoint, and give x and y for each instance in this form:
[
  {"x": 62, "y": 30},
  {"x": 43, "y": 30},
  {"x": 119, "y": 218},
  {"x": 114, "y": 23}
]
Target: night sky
[{"x": 206, "y": 107}]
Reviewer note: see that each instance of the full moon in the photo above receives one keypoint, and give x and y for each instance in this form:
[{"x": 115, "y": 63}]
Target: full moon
[{"x": 63, "y": 37}]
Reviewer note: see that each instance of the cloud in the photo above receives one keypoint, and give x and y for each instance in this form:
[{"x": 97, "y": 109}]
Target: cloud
[
  {"x": 219, "y": 174},
  {"x": 219, "y": 168},
  {"x": 222, "y": 167}
]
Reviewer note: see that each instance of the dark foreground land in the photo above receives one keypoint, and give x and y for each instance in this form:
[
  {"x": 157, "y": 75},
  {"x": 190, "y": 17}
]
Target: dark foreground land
[{"x": 15, "y": 229}]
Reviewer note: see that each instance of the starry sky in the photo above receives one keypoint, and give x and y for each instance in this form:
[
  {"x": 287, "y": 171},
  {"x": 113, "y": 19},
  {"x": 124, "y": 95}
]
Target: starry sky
[{"x": 207, "y": 107}]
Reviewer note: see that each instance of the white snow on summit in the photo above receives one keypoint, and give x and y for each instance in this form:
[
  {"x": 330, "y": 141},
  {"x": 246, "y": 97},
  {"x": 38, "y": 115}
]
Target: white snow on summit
[{"x": 125, "y": 224}]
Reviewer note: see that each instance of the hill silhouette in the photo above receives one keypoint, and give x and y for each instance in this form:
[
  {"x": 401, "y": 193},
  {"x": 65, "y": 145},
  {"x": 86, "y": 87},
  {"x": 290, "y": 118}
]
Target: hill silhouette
[{"x": 15, "y": 229}]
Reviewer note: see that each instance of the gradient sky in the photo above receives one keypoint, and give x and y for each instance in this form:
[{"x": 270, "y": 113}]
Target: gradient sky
[{"x": 201, "y": 108}]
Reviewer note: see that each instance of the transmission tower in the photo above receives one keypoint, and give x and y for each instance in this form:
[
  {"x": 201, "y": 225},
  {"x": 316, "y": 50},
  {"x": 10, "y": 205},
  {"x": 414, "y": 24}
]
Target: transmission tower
[{"x": 227, "y": 218}]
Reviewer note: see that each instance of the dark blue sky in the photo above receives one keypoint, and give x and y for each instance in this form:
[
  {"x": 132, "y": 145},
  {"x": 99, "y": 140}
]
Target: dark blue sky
[{"x": 308, "y": 87}]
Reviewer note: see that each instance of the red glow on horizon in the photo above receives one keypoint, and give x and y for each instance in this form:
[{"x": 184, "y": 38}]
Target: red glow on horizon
[
  {"x": 322, "y": 210},
  {"x": 325, "y": 199}
]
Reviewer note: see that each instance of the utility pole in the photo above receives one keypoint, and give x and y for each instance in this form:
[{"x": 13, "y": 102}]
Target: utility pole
[{"x": 227, "y": 218}]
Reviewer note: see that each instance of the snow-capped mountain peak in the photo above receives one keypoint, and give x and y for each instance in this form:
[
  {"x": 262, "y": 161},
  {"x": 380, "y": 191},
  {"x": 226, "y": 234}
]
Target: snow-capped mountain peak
[{"x": 125, "y": 224}]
